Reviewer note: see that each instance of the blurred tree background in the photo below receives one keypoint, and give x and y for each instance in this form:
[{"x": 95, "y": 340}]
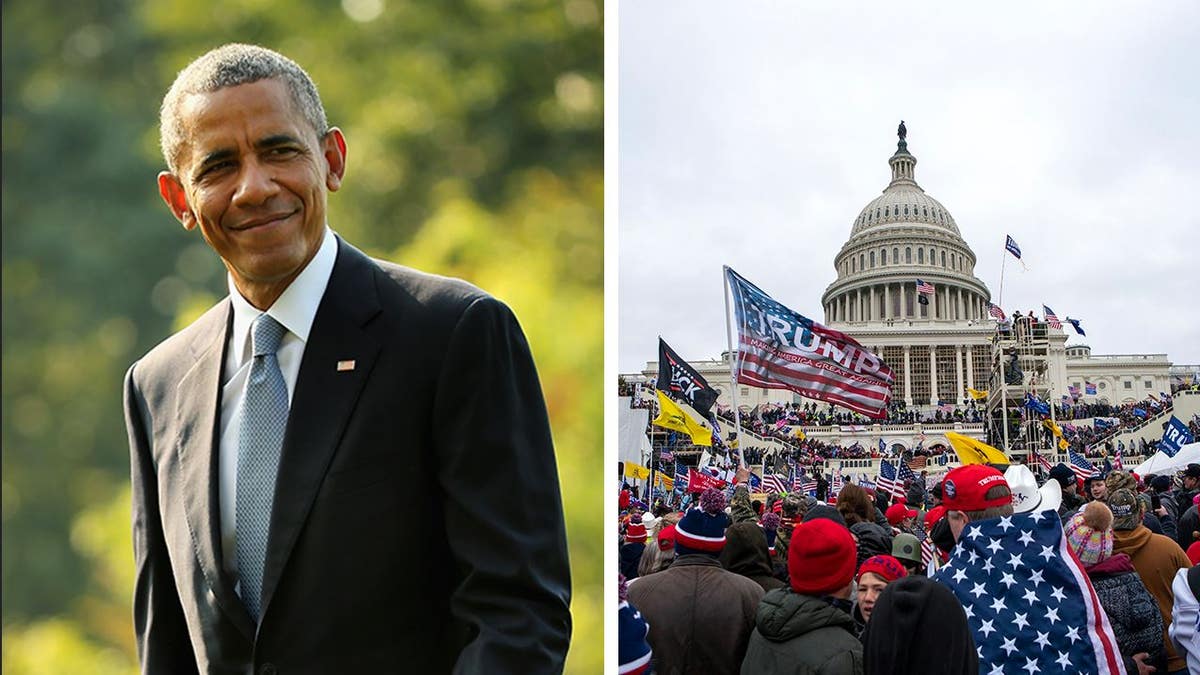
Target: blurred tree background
[{"x": 475, "y": 149}]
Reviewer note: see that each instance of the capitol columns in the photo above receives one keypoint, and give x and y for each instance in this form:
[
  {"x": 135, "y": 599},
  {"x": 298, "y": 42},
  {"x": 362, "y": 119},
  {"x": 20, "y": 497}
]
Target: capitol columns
[
  {"x": 907, "y": 370},
  {"x": 871, "y": 314},
  {"x": 933, "y": 380},
  {"x": 958, "y": 371},
  {"x": 970, "y": 368},
  {"x": 904, "y": 315},
  {"x": 887, "y": 301}
]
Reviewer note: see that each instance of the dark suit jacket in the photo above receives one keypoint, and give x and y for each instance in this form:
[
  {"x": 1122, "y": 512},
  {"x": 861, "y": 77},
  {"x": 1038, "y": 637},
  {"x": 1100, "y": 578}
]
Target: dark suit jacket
[{"x": 417, "y": 524}]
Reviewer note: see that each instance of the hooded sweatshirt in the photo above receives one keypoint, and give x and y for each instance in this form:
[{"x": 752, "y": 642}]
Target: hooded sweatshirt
[
  {"x": 746, "y": 553},
  {"x": 1156, "y": 559},
  {"x": 797, "y": 633}
]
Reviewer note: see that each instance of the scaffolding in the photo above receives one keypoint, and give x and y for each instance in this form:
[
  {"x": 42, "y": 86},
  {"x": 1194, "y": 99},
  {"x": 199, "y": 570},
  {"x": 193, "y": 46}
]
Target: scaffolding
[{"x": 1020, "y": 365}]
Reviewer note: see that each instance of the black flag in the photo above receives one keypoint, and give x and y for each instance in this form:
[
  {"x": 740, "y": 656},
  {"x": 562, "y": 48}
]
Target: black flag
[{"x": 676, "y": 377}]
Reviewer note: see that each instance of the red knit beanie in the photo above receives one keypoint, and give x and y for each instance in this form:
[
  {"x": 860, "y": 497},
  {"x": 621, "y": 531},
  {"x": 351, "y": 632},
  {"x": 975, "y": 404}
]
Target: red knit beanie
[
  {"x": 1193, "y": 553},
  {"x": 821, "y": 557}
]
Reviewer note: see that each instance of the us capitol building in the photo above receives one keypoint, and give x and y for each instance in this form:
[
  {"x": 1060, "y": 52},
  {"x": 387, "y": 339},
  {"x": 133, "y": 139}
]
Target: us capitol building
[{"x": 936, "y": 350}]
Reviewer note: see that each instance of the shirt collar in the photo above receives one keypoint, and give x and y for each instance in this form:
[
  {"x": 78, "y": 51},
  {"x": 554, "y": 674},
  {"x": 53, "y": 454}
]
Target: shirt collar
[{"x": 296, "y": 308}]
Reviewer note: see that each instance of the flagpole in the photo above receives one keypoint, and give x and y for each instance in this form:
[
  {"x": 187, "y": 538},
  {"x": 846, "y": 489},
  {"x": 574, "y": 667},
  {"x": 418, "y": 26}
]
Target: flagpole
[
  {"x": 1000, "y": 298},
  {"x": 733, "y": 388}
]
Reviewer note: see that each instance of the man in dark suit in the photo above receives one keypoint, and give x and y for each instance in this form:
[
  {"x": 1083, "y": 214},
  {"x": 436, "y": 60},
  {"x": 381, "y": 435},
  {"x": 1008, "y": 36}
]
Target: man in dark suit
[{"x": 346, "y": 465}]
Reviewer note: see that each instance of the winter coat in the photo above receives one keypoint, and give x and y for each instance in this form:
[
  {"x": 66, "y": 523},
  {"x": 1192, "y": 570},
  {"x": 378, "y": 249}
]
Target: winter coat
[
  {"x": 631, "y": 557},
  {"x": 700, "y": 615},
  {"x": 1185, "y": 618},
  {"x": 746, "y": 553},
  {"x": 1135, "y": 617},
  {"x": 801, "y": 634},
  {"x": 1156, "y": 559},
  {"x": 740, "y": 508},
  {"x": 872, "y": 540},
  {"x": 1189, "y": 523}
]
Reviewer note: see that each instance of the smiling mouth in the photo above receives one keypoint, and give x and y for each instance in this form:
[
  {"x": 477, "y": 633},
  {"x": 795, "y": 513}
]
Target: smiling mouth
[{"x": 273, "y": 220}]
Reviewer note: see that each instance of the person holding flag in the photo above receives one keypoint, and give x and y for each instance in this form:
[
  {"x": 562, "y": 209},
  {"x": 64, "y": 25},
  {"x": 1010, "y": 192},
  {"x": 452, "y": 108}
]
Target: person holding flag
[{"x": 1027, "y": 598}]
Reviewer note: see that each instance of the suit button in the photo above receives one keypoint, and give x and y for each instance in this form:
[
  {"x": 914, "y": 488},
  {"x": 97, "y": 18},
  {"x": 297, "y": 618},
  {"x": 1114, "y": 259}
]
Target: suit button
[{"x": 268, "y": 669}]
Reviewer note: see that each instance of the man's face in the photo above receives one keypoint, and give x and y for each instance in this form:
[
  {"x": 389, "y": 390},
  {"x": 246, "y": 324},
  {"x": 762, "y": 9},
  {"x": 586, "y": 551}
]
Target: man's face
[
  {"x": 1099, "y": 490},
  {"x": 1190, "y": 482},
  {"x": 253, "y": 175}
]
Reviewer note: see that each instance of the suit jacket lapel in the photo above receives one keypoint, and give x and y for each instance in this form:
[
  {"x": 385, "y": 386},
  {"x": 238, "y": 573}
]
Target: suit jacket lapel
[
  {"x": 197, "y": 410},
  {"x": 322, "y": 402}
]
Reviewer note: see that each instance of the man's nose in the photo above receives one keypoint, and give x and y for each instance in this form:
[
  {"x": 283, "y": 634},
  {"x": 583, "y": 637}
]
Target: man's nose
[{"x": 256, "y": 183}]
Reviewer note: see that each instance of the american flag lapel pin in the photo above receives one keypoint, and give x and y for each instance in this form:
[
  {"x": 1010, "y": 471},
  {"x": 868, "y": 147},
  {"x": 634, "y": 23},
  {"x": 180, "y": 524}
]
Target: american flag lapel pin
[{"x": 343, "y": 366}]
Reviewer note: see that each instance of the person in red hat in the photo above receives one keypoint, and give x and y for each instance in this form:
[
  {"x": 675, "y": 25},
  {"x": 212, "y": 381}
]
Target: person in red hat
[
  {"x": 874, "y": 576},
  {"x": 901, "y": 518},
  {"x": 974, "y": 492},
  {"x": 807, "y": 628}
]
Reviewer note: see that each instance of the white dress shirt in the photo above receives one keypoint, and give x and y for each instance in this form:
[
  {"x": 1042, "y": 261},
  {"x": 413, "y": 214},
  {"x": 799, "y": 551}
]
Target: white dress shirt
[{"x": 295, "y": 309}]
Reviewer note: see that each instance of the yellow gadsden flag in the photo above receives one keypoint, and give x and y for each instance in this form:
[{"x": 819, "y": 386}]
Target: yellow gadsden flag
[
  {"x": 671, "y": 416},
  {"x": 971, "y": 451},
  {"x": 976, "y": 394},
  {"x": 636, "y": 471}
]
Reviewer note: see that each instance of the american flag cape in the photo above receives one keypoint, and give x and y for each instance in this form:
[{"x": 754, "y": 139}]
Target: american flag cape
[
  {"x": 780, "y": 349},
  {"x": 1029, "y": 603},
  {"x": 835, "y": 487},
  {"x": 886, "y": 480},
  {"x": 1118, "y": 461},
  {"x": 1081, "y": 466}
]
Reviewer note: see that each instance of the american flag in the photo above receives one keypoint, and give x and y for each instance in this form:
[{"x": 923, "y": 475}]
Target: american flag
[
  {"x": 1028, "y": 601},
  {"x": 927, "y": 548},
  {"x": 886, "y": 480},
  {"x": 924, "y": 287},
  {"x": 917, "y": 463},
  {"x": 813, "y": 360},
  {"x": 774, "y": 483},
  {"x": 996, "y": 312},
  {"x": 835, "y": 488},
  {"x": 1118, "y": 462},
  {"x": 805, "y": 484},
  {"x": 1051, "y": 318},
  {"x": 681, "y": 473},
  {"x": 1042, "y": 461},
  {"x": 903, "y": 474},
  {"x": 1081, "y": 466}
]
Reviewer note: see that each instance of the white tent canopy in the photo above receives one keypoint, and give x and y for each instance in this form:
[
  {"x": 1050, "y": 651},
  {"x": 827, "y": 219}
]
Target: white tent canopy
[{"x": 1159, "y": 463}]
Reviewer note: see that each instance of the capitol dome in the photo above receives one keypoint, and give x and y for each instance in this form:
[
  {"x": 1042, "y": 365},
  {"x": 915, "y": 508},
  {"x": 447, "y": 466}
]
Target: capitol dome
[{"x": 899, "y": 237}]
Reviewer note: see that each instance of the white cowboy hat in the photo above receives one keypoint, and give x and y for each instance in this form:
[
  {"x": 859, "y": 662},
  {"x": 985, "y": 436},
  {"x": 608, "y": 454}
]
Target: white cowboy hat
[{"x": 1026, "y": 495}]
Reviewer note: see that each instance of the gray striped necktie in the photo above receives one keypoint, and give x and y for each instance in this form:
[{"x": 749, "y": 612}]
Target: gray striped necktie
[{"x": 264, "y": 419}]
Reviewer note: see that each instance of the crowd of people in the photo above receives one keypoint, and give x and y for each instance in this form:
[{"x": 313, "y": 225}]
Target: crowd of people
[{"x": 988, "y": 572}]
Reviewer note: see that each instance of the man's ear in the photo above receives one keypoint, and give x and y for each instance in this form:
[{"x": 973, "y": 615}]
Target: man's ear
[
  {"x": 333, "y": 146},
  {"x": 176, "y": 198}
]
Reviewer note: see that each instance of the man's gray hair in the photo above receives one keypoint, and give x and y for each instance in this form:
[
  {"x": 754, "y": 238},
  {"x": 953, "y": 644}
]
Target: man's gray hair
[{"x": 229, "y": 66}]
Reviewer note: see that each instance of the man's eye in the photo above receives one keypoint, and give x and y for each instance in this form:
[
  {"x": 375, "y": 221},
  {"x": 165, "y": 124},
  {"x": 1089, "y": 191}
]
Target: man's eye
[
  {"x": 214, "y": 168},
  {"x": 283, "y": 152}
]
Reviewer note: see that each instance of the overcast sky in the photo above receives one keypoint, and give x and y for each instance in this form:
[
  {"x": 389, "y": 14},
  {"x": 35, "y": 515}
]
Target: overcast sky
[{"x": 752, "y": 133}]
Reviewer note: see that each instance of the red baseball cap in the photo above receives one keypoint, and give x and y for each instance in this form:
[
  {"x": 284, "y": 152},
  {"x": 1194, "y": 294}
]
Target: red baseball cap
[
  {"x": 898, "y": 512},
  {"x": 933, "y": 515},
  {"x": 965, "y": 488}
]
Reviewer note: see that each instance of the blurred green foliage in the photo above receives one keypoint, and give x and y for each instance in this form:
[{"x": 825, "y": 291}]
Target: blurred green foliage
[{"x": 475, "y": 149}]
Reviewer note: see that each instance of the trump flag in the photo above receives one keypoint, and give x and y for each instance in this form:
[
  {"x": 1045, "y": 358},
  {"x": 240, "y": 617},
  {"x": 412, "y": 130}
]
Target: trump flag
[{"x": 781, "y": 349}]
